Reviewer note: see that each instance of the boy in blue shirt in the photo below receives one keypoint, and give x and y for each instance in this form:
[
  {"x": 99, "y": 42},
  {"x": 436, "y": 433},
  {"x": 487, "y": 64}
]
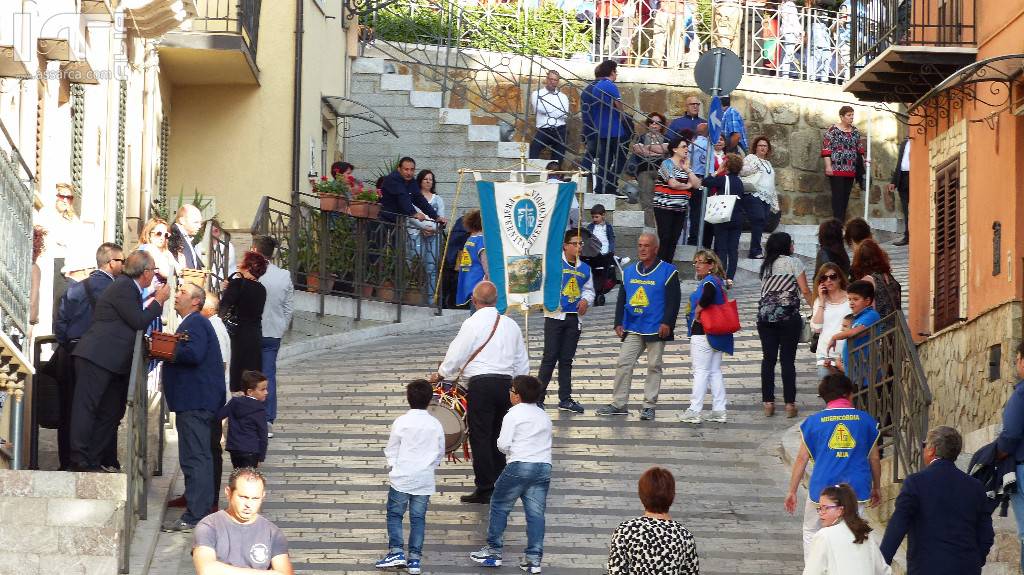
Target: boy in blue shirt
[{"x": 862, "y": 298}]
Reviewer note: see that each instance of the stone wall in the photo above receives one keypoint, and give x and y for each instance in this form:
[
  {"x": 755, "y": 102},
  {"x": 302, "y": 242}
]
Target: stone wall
[
  {"x": 956, "y": 361},
  {"x": 792, "y": 114},
  {"x": 58, "y": 522}
]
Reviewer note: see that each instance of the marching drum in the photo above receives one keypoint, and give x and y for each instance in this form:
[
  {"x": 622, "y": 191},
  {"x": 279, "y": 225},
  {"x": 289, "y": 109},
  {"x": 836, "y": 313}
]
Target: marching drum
[{"x": 449, "y": 407}]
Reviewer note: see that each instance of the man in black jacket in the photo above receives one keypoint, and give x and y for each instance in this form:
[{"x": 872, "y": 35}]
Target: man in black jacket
[
  {"x": 401, "y": 195},
  {"x": 73, "y": 318},
  {"x": 103, "y": 359},
  {"x": 944, "y": 512}
]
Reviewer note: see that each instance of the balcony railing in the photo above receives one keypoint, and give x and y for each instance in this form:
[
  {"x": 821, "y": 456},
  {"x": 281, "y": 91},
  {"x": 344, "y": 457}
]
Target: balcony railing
[
  {"x": 334, "y": 253},
  {"x": 880, "y": 24},
  {"x": 16, "y": 255},
  {"x": 233, "y": 16},
  {"x": 799, "y": 44}
]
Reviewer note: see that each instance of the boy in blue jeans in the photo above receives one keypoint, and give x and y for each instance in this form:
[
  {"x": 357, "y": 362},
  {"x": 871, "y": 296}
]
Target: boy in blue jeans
[
  {"x": 862, "y": 298},
  {"x": 526, "y": 439},
  {"x": 415, "y": 449}
]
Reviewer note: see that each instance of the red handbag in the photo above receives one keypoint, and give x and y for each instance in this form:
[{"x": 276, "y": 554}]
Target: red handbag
[{"x": 721, "y": 319}]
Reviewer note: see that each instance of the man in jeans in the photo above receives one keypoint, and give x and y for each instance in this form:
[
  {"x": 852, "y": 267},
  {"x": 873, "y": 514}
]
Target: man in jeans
[
  {"x": 607, "y": 115},
  {"x": 552, "y": 109},
  {"x": 277, "y": 315},
  {"x": 526, "y": 439},
  {"x": 194, "y": 386}
]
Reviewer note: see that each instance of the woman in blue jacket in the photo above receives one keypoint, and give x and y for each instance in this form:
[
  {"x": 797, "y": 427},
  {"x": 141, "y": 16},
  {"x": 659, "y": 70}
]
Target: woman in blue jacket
[{"x": 706, "y": 350}]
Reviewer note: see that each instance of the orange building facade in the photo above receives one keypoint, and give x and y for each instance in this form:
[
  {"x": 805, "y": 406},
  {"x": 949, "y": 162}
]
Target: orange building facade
[{"x": 966, "y": 223}]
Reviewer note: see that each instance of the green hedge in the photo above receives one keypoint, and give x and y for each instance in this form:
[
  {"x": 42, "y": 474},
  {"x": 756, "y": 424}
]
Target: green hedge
[{"x": 545, "y": 31}]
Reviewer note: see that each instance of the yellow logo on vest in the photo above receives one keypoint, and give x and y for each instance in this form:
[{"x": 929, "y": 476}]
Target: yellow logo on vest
[
  {"x": 571, "y": 290},
  {"x": 841, "y": 439},
  {"x": 465, "y": 261},
  {"x": 639, "y": 298}
]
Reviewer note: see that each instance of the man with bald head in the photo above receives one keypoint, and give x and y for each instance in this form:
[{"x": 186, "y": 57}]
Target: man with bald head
[
  {"x": 187, "y": 224},
  {"x": 194, "y": 387},
  {"x": 488, "y": 351},
  {"x": 645, "y": 318}
]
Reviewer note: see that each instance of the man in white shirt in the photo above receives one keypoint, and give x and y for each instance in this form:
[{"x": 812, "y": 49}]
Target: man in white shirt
[
  {"x": 900, "y": 182},
  {"x": 277, "y": 315},
  {"x": 552, "y": 108},
  {"x": 489, "y": 351}
]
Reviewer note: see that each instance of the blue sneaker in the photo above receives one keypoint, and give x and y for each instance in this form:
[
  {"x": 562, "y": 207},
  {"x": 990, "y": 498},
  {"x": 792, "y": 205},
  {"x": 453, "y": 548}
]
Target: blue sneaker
[
  {"x": 486, "y": 558},
  {"x": 414, "y": 567},
  {"x": 390, "y": 560}
]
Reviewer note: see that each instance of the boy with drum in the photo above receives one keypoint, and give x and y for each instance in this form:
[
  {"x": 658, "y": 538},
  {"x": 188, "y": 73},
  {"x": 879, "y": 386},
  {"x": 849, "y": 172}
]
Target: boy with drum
[{"x": 414, "y": 451}]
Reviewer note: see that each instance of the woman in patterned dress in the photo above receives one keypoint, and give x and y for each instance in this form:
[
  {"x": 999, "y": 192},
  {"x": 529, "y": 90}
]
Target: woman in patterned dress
[
  {"x": 653, "y": 544},
  {"x": 840, "y": 147}
]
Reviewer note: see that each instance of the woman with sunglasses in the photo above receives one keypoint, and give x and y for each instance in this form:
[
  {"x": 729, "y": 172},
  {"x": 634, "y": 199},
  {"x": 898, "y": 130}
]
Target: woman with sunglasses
[
  {"x": 648, "y": 154},
  {"x": 706, "y": 350},
  {"x": 154, "y": 238},
  {"x": 842, "y": 546},
  {"x": 830, "y": 307}
]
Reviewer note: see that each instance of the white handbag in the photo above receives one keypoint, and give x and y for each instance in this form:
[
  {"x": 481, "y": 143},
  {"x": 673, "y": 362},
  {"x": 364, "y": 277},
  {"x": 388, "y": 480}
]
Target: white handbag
[{"x": 719, "y": 207}]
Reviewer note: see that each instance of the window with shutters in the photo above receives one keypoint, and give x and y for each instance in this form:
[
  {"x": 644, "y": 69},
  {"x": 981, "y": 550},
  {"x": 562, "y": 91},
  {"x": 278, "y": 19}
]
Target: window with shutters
[{"x": 947, "y": 244}]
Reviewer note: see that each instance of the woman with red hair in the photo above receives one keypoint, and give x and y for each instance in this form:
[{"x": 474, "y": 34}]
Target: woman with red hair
[
  {"x": 871, "y": 264},
  {"x": 241, "y": 308}
]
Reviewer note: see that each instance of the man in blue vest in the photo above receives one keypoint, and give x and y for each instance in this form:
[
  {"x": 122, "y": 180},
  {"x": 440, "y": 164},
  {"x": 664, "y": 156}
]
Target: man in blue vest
[
  {"x": 842, "y": 442},
  {"x": 562, "y": 327},
  {"x": 645, "y": 318}
]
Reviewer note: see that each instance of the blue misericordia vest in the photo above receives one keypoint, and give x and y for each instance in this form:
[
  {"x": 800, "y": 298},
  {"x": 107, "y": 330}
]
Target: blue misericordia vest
[
  {"x": 573, "y": 280},
  {"x": 839, "y": 440},
  {"x": 471, "y": 270},
  {"x": 644, "y": 307}
]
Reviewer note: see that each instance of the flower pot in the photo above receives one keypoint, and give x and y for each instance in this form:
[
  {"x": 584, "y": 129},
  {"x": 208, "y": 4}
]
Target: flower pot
[
  {"x": 328, "y": 202},
  {"x": 341, "y": 205},
  {"x": 366, "y": 291},
  {"x": 386, "y": 292},
  {"x": 361, "y": 209},
  {"x": 313, "y": 282},
  {"x": 413, "y": 297}
]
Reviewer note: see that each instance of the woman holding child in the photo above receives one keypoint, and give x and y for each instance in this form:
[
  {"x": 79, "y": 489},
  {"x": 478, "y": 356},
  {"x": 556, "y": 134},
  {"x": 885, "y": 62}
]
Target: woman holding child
[{"x": 830, "y": 307}]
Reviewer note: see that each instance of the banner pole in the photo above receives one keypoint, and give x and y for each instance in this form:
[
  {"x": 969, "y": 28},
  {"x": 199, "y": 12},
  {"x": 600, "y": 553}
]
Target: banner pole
[{"x": 447, "y": 239}]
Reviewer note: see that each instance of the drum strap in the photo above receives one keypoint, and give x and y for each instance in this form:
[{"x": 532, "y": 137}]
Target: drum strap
[{"x": 494, "y": 328}]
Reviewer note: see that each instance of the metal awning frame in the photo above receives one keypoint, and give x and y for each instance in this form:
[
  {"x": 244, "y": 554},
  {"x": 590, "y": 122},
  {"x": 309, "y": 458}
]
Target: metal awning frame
[
  {"x": 345, "y": 109},
  {"x": 989, "y": 82}
]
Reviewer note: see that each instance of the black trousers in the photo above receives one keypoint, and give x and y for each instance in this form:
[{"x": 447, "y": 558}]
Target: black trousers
[
  {"x": 695, "y": 216},
  {"x": 779, "y": 341},
  {"x": 841, "y": 187},
  {"x": 488, "y": 403},
  {"x": 903, "y": 188},
  {"x": 549, "y": 138},
  {"x": 241, "y": 459},
  {"x": 561, "y": 337},
  {"x": 66, "y": 399},
  {"x": 216, "y": 432},
  {"x": 670, "y": 226},
  {"x": 101, "y": 398}
]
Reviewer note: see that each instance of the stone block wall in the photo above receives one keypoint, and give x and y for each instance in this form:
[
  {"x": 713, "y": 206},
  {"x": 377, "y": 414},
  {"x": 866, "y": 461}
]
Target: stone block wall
[
  {"x": 55, "y": 522},
  {"x": 956, "y": 363}
]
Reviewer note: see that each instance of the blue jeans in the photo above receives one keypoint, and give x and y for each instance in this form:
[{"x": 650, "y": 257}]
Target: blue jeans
[
  {"x": 757, "y": 214},
  {"x": 529, "y": 482},
  {"x": 271, "y": 345},
  {"x": 727, "y": 245},
  {"x": 196, "y": 462},
  {"x": 1018, "y": 513},
  {"x": 417, "y": 504}
]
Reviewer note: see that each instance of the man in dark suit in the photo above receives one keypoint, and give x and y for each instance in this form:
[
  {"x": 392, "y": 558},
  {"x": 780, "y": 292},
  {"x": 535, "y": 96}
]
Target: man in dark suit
[
  {"x": 73, "y": 318},
  {"x": 194, "y": 384},
  {"x": 187, "y": 222},
  {"x": 944, "y": 512},
  {"x": 103, "y": 359},
  {"x": 900, "y": 181}
]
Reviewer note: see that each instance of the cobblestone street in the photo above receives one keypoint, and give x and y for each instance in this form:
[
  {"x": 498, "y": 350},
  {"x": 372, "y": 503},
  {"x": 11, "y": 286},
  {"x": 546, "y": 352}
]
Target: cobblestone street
[{"x": 328, "y": 483}]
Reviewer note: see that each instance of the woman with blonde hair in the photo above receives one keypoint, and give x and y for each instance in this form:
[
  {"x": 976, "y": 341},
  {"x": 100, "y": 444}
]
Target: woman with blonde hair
[
  {"x": 154, "y": 239},
  {"x": 842, "y": 545},
  {"x": 706, "y": 350}
]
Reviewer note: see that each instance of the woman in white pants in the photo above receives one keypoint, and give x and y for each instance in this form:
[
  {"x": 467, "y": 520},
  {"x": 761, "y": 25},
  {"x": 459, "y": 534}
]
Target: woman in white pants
[{"x": 706, "y": 350}]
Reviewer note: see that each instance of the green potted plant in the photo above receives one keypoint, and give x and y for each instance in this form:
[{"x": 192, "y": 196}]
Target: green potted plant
[
  {"x": 308, "y": 254},
  {"x": 414, "y": 285},
  {"x": 334, "y": 193},
  {"x": 386, "y": 289},
  {"x": 365, "y": 203}
]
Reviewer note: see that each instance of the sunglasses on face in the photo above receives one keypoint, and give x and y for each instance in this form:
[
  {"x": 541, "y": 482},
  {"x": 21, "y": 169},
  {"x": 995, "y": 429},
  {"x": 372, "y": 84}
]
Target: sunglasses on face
[
  {"x": 830, "y": 277},
  {"x": 162, "y": 234},
  {"x": 119, "y": 260}
]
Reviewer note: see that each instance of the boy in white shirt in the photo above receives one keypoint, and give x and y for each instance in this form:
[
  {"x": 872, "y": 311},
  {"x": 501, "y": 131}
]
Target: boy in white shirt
[
  {"x": 526, "y": 439},
  {"x": 414, "y": 451}
]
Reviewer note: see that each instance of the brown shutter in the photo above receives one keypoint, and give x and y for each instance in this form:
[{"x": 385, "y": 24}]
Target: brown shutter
[{"x": 947, "y": 244}]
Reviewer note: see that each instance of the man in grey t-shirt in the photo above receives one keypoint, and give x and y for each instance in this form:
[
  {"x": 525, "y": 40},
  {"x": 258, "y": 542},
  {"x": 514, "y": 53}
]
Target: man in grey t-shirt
[{"x": 238, "y": 540}]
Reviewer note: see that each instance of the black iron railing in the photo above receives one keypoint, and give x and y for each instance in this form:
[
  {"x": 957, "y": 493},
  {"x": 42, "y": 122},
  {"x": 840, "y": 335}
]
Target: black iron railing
[
  {"x": 896, "y": 391},
  {"x": 879, "y": 24},
  {"x": 335, "y": 253},
  {"x": 234, "y": 16},
  {"x": 16, "y": 238},
  {"x": 138, "y": 465}
]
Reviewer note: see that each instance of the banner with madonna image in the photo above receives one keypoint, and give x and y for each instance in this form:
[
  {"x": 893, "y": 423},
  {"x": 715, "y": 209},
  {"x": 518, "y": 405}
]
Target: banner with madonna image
[{"x": 524, "y": 225}]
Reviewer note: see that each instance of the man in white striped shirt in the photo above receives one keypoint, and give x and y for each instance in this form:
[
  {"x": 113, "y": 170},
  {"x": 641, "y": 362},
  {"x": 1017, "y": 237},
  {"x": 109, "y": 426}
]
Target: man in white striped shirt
[{"x": 552, "y": 108}]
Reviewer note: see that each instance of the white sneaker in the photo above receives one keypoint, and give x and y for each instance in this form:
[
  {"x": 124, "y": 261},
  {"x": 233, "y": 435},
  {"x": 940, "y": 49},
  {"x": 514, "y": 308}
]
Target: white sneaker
[
  {"x": 717, "y": 417},
  {"x": 270, "y": 431},
  {"x": 690, "y": 416}
]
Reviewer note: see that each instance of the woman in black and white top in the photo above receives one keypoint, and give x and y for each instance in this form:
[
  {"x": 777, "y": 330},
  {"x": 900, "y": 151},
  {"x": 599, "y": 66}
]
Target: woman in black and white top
[
  {"x": 783, "y": 280},
  {"x": 653, "y": 544},
  {"x": 672, "y": 189},
  {"x": 759, "y": 198}
]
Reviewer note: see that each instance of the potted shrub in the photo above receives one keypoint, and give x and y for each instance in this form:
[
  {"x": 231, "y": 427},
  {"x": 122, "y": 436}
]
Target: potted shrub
[
  {"x": 386, "y": 289},
  {"x": 414, "y": 286},
  {"x": 365, "y": 203},
  {"x": 334, "y": 193}
]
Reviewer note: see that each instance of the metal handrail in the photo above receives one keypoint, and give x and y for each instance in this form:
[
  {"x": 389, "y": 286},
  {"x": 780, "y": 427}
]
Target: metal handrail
[
  {"x": 16, "y": 256},
  {"x": 338, "y": 254},
  {"x": 137, "y": 468},
  {"x": 237, "y": 16},
  {"x": 896, "y": 391},
  {"x": 880, "y": 24}
]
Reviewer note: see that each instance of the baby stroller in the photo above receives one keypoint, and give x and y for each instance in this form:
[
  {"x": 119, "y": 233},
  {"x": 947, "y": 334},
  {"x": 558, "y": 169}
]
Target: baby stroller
[{"x": 606, "y": 268}]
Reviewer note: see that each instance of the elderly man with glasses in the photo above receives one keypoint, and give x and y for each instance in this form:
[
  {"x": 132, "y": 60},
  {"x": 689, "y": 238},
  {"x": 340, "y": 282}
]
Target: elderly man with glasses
[{"x": 103, "y": 359}]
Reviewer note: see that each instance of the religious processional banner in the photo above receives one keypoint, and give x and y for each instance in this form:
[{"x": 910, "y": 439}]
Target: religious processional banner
[{"x": 524, "y": 225}]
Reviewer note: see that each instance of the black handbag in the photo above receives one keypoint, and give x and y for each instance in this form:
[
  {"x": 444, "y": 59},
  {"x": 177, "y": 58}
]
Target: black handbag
[{"x": 230, "y": 315}]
